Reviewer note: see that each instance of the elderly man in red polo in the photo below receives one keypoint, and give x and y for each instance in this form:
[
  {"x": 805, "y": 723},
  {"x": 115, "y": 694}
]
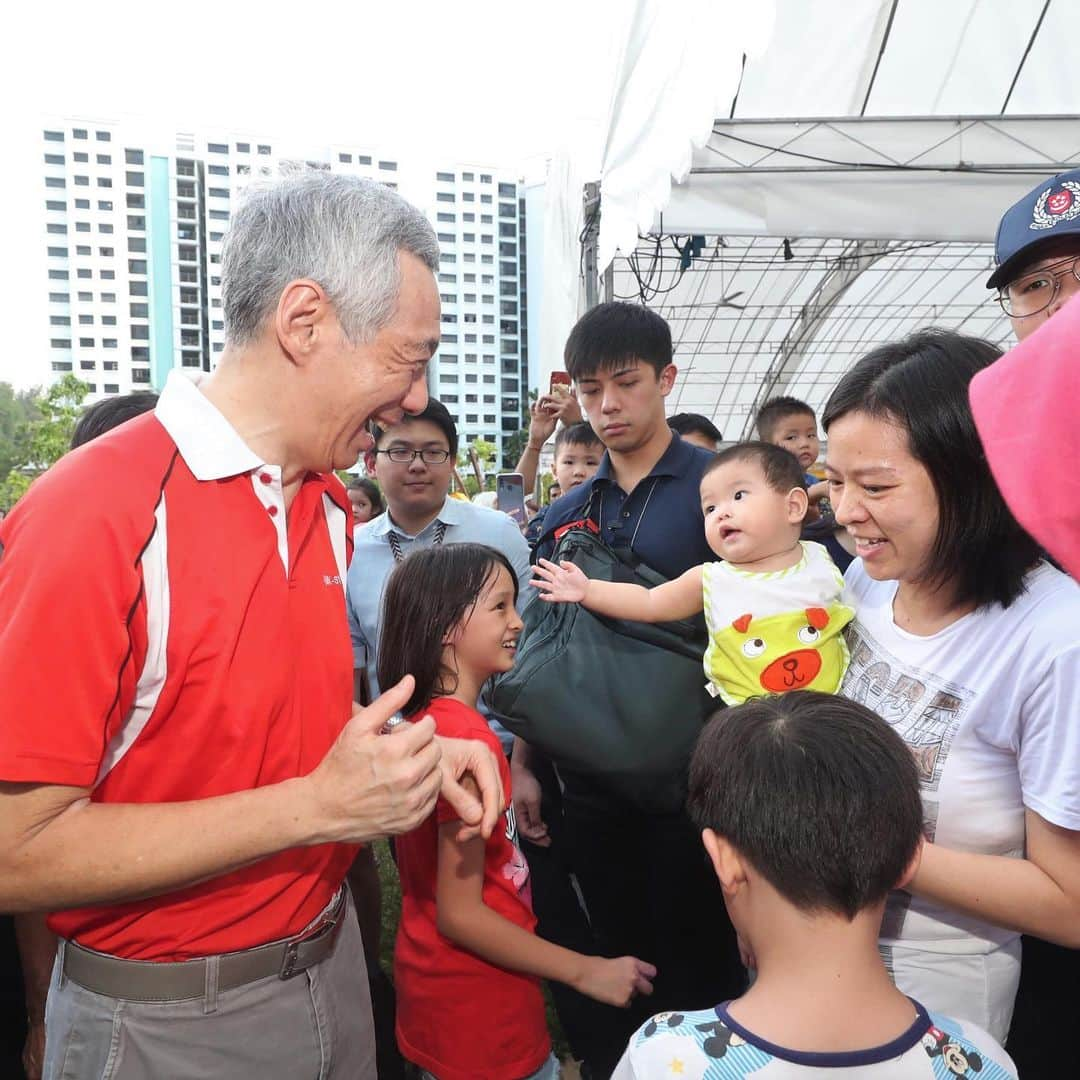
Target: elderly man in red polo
[{"x": 183, "y": 776}]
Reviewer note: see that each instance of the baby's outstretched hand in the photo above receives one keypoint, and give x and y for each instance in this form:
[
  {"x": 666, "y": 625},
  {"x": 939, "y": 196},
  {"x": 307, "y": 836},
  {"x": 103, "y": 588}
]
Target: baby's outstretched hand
[{"x": 559, "y": 584}]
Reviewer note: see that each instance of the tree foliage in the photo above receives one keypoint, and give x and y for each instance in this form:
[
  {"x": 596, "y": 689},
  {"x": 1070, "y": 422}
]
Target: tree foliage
[{"x": 35, "y": 432}]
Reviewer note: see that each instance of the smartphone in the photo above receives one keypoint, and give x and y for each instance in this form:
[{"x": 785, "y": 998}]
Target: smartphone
[
  {"x": 560, "y": 384},
  {"x": 510, "y": 496}
]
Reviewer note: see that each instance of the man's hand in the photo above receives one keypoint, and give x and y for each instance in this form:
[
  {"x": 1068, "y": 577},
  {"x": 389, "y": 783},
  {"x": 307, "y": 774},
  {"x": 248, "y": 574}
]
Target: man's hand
[
  {"x": 527, "y": 806},
  {"x": 469, "y": 759},
  {"x": 562, "y": 584},
  {"x": 371, "y": 785}
]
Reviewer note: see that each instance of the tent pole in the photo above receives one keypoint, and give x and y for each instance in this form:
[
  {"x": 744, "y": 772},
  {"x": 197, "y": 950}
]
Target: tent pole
[{"x": 590, "y": 238}]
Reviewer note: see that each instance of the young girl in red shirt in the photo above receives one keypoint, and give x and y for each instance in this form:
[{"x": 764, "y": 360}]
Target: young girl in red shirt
[{"x": 467, "y": 963}]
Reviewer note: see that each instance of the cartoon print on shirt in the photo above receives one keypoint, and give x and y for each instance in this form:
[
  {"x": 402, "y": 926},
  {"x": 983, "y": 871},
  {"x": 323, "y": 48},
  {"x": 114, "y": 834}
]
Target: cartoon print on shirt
[
  {"x": 516, "y": 870},
  {"x": 721, "y": 1039},
  {"x": 924, "y": 710},
  {"x": 960, "y": 1060}
]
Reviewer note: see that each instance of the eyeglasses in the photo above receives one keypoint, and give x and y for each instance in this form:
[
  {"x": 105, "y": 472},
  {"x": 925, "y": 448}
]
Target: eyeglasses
[
  {"x": 1035, "y": 292},
  {"x": 405, "y": 455}
]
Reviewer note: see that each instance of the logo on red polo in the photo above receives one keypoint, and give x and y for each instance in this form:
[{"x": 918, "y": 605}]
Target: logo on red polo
[{"x": 1055, "y": 206}]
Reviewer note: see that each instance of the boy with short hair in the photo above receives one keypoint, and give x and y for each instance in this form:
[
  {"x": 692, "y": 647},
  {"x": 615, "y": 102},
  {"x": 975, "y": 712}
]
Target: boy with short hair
[
  {"x": 772, "y": 605},
  {"x": 792, "y": 424},
  {"x": 577, "y": 457},
  {"x": 810, "y": 814}
]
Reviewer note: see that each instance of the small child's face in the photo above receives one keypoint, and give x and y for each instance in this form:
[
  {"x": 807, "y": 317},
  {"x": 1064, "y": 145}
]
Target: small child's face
[
  {"x": 798, "y": 433},
  {"x": 576, "y": 464},
  {"x": 745, "y": 518}
]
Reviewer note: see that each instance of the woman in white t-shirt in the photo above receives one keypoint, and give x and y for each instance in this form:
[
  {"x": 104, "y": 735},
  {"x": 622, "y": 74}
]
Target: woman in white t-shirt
[{"x": 968, "y": 644}]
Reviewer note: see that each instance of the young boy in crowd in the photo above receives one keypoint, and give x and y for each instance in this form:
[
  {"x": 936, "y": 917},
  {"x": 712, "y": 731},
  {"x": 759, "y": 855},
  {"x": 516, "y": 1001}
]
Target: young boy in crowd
[
  {"x": 792, "y": 424},
  {"x": 577, "y": 457},
  {"x": 772, "y": 606},
  {"x": 810, "y": 813}
]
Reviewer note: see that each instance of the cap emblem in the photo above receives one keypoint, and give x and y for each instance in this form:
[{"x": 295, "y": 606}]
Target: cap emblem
[{"x": 1053, "y": 207}]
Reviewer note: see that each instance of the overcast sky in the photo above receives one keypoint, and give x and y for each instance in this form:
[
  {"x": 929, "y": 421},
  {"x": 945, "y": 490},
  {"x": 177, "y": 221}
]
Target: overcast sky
[{"x": 501, "y": 82}]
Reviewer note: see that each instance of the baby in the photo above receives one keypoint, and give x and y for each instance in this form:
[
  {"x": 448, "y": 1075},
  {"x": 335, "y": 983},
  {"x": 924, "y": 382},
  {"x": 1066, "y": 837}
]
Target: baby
[{"x": 772, "y": 606}]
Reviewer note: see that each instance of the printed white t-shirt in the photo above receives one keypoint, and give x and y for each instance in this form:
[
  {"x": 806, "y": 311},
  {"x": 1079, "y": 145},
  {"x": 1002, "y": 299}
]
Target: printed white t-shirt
[{"x": 990, "y": 707}]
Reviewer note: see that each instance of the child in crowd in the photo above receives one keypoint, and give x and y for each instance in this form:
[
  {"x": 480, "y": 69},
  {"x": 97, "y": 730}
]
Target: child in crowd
[
  {"x": 467, "y": 962},
  {"x": 366, "y": 499},
  {"x": 577, "y": 457},
  {"x": 792, "y": 424},
  {"x": 810, "y": 814},
  {"x": 772, "y": 607}
]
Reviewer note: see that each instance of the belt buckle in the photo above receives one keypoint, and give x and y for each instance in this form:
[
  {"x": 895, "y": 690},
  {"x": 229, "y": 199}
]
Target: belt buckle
[{"x": 288, "y": 961}]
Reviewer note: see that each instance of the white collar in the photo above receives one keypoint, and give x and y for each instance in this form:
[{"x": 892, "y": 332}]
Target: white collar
[{"x": 208, "y": 443}]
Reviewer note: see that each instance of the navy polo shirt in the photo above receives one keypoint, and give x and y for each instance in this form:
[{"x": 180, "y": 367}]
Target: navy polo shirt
[{"x": 660, "y": 520}]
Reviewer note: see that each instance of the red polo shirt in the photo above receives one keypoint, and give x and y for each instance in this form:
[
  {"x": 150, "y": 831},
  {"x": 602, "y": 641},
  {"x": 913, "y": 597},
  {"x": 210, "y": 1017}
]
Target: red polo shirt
[{"x": 169, "y": 633}]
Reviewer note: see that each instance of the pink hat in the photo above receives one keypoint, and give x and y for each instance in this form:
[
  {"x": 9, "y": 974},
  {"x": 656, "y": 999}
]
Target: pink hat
[{"x": 1027, "y": 410}]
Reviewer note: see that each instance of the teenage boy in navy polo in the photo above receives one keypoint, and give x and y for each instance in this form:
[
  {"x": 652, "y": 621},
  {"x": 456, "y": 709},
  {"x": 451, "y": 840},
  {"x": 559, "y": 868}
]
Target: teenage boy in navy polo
[
  {"x": 1037, "y": 252},
  {"x": 642, "y": 875}
]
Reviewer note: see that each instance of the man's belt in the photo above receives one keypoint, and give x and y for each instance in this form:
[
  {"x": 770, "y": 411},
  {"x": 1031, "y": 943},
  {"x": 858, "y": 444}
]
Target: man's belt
[{"x": 147, "y": 980}]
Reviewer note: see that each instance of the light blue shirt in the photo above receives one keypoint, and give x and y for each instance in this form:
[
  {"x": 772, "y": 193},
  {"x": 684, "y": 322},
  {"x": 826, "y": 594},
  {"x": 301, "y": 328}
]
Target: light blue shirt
[{"x": 373, "y": 561}]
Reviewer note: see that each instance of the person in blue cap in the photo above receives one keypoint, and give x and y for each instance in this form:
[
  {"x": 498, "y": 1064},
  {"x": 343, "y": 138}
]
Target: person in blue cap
[{"x": 1037, "y": 251}]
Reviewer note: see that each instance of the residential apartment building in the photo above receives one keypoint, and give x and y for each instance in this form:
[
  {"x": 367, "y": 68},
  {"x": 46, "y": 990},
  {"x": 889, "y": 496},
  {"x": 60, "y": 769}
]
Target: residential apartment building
[{"x": 134, "y": 225}]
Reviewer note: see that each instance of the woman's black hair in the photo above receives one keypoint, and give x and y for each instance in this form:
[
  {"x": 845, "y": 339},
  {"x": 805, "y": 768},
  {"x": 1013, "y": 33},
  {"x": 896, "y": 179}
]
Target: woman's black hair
[
  {"x": 921, "y": 383},
  {"x": 371, "y": 490},
  {"x": 428, "y": 594},
  {"x": 816, "y": 791}
]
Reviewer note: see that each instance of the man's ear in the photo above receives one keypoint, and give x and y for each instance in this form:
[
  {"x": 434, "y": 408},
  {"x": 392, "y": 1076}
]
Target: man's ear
[
  {"x": 667, "y": 379},
  {"x": 371, "y": 462},
  {"x": 302, "y": 319},
  {"x": 797, "y": 505},
  {"x": 726, "y": 861}
]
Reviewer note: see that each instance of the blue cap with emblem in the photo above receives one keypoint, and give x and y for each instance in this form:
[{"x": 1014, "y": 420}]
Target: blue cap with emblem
[{"x": 1050, "y": 210}]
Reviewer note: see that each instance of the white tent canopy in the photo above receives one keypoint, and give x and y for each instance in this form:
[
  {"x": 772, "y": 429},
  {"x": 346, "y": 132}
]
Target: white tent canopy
[{"x": 880, "y": 139}]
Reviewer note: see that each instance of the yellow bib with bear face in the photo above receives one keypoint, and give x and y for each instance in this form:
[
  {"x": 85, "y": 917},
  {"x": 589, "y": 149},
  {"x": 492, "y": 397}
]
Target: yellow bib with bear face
[{"x": 774, "y": 632}]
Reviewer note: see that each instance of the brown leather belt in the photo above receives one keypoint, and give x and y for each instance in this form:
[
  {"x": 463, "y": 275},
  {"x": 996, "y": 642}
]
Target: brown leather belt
[{"x": 147, "y": 980}]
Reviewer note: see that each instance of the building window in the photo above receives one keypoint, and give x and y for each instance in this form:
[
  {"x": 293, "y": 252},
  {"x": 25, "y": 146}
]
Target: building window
[
  {"x": 60, "y": 343},
  {"x": 469, "y": 238},
  {"x": 112, "y": 388},
  {"x": 83, "y": 273},
  {"x": 86, "y": 343},
  {"x": 62, "y": 365},
  {"x": 388, "y": 166},
  {"x": 140, "y": 375},
  {"x": 55, "y": 182},
  {"x": 264, "y": 150},
  {"x": 58, "y": 252},
  {"x": 82, "y": 181},
  {"x": 108, "y": 343},
  {"x": 140, "y": 333},
  {"x": 134, "y": 179},
  {"x": 218, "y": 170},
  {"x": 140, "y": 354},
  {"x": 443, "y": 217},
  {"x": 363, "y": 159},
  {"x": 136, "y": 266},
  {"x": 219, "y": 215},
  {"x": 136, "y": 243},
  {"x": 104, "y": 181},
  {"x": 243, "y": 148},
  {"x": 104, "y": 159},
  {"x": 82, "y": 226},
  {"x": 133, "y": 157},
  {"x": 60, "y": 320},
  {"x": 217, "y": 148},
  {"x": 108, "y": 275},
  {"x": 218, "y": 192},
  {"x": 103, "y": 136},
  {"x": 58, "y": 275},
  {"x": 136, "y": 223},
  {"x": 110, "y": 365},
  {"x": 484, "y": 178},
  {"x": 59, "y": 297},
  {"x": 345, "y": 158},
  {"x": 85, "y": 320},
  {"x": 447, "y": 257},
  {"x": 137, "y": 288},
  {"x": 59, "y": 230},
  {"x": 54, "y": 159},
  {"x": 447, "y": 238},
  {"x": 468, "y": 196},
  {"x": 135, "y": 201},
  {"x": 55, "y": 204},
  {"x": 445, "y": 196},
  {"x": 104, "y": 227},
  {"x": 486, "y": 199},
  {"x": 79, "y": 133},
  {"x": 56, "y": 136},
  {"x": 109, "y": 298}
]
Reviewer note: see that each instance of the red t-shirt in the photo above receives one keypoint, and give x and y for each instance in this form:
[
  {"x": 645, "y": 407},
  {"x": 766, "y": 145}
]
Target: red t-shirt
[
  {"x": 169, "y": 633},
  {"x": 458, "y": 1016}
]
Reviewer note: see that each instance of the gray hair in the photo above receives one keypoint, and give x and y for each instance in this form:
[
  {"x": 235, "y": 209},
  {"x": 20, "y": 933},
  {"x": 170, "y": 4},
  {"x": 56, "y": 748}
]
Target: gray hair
[{"x": 341, "y": 231}]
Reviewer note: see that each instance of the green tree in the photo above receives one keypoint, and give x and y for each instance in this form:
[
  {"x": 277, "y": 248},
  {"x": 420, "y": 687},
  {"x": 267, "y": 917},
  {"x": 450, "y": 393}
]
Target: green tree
[
  {"x": 43, "y": 436},
  {"x": 17, "y": 410}
]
